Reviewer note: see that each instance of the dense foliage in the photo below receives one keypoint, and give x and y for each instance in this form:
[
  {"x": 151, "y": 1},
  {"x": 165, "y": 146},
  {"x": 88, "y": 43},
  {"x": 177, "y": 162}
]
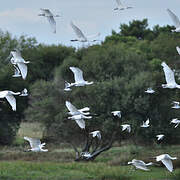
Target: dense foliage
[{"x": 122, "y": 68}]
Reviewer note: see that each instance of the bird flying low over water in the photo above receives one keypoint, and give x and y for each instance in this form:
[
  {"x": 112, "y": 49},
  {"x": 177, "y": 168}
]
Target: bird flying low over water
[
  {"x": 169, "y": 76},
  {"x": 96, "y": 133},
  {"x": 139, "y": 164},
  {"x": 120, "y": 6},
  {"x": 36, "y": 145},
  {"x": 175, "y": 20},
  {"x": 50, "y": 17},
  {"x": 80, "y": 36},
  {"x": 9, "y": 95},
  {"x": 166, "y": 159},
  {"x": 78, "y": 77},
  {"x": 19, "y": 62}
]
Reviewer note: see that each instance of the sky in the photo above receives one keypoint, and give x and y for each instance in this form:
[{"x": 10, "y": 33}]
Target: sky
[{"x": 20, "y": 17}]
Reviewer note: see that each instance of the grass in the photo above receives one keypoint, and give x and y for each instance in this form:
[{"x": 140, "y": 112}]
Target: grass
[
  {"x": 78, "y": 171},
  {"x": 58, "y": 163}
]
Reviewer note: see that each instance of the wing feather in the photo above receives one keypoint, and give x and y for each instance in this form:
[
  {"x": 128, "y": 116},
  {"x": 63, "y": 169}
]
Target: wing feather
[
  {"x": 168, "y": 164},
  {"x": 78, "y": 74},
  {"x": 12, "y": 101},
  {"x": 169, "y": 74},
  {"x": 178, "y": 49},
  {"x": 23, "y": 69},
  {"x": 71, "y": 107},
  {"x": 81, "y": 123},
  {"x": 33, "y": 142},
  {"x": 52, "y": 23},
  {"x": 119, "y": 2},
  {"x": 78, "y": 31},
  {"x": 174, "y": 18}
]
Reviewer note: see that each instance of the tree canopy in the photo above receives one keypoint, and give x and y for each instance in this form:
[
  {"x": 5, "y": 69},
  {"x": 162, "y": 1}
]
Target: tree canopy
[{"x": 122, "y": 68}]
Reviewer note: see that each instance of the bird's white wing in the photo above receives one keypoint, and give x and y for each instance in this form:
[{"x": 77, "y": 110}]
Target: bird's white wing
[
  {"x": 33, "y": 142},
  {"x": 12, "y": 101},
  {"x": 47, "y": 12},
  {"x": 168, "y": 164},
  {"x": 84, "y": 109},
  {"x": 169, "y": 74},
  {"x": 52, "y": 23},
  {"x": 78, "y": 74},
  {"x": 176, "y": 125},
  {"x": 71, "y": 107},
  {"x": 174, "y": 18},
  {"x": 93, "y": 133},
  {"x": 123, "y": 127},
  {"x": 81, "y": 123},
  {"x": 99, "y": 135},
  {"x": 129, "y": 129},
  {"x": 77, "y": 31},
  {"x": 23, "y": 69},
  {"x": 178, "y": 49},
  {"x": 16, "y": 54},
  {"x": 3, "y": 94},
  {"x": 147, "y": 122},
  {"x": 141, "y": 166},
  {"x": 118, "y": 2},
  {"x": 25, "y": 90}
]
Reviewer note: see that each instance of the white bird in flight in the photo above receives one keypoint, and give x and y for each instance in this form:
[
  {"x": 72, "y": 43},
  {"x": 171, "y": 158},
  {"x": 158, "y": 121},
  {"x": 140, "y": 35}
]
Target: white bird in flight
[
  {"x": 175, "y": 121},
  {"x": 178, "y": 49},
  {"x": 81, "y": 36},
  {"x": 126, "y": 127},
  {"x": 9, "y": 95},
  {"x": 120, "y": 6},
  {"x": 80, "y": 120},
  {"x": 67, "y": 86},
  {"x": 96, "y": 133},
  {"x": 145, "y": 124},
  {"x": 166, "y": 160},
  {"x": 139, "y": 164},
  {"x": 160, "y": 137},
  {"x": 116, "y": 113},
  {"x": 20, "y": 62},
  {"x": 36, "y": 145},
  {"x": 150, "y": 90},
  {"x": 175, "y": 20},
  {"x": 50, "y": 17},
  {"x": 175, "y": 105},
  {"x": 169, "y": 76},
  {"x": 74, "y": 111},
  {"x": 24, "y": 92},
  {"x": 78, "y": 77}
]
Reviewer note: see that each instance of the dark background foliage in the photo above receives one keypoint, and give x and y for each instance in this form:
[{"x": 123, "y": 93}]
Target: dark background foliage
[{"x": 122, "y": 68}]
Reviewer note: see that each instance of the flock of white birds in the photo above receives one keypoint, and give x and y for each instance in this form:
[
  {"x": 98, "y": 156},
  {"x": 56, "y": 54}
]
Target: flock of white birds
[{"x": 78, "y": 115}]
